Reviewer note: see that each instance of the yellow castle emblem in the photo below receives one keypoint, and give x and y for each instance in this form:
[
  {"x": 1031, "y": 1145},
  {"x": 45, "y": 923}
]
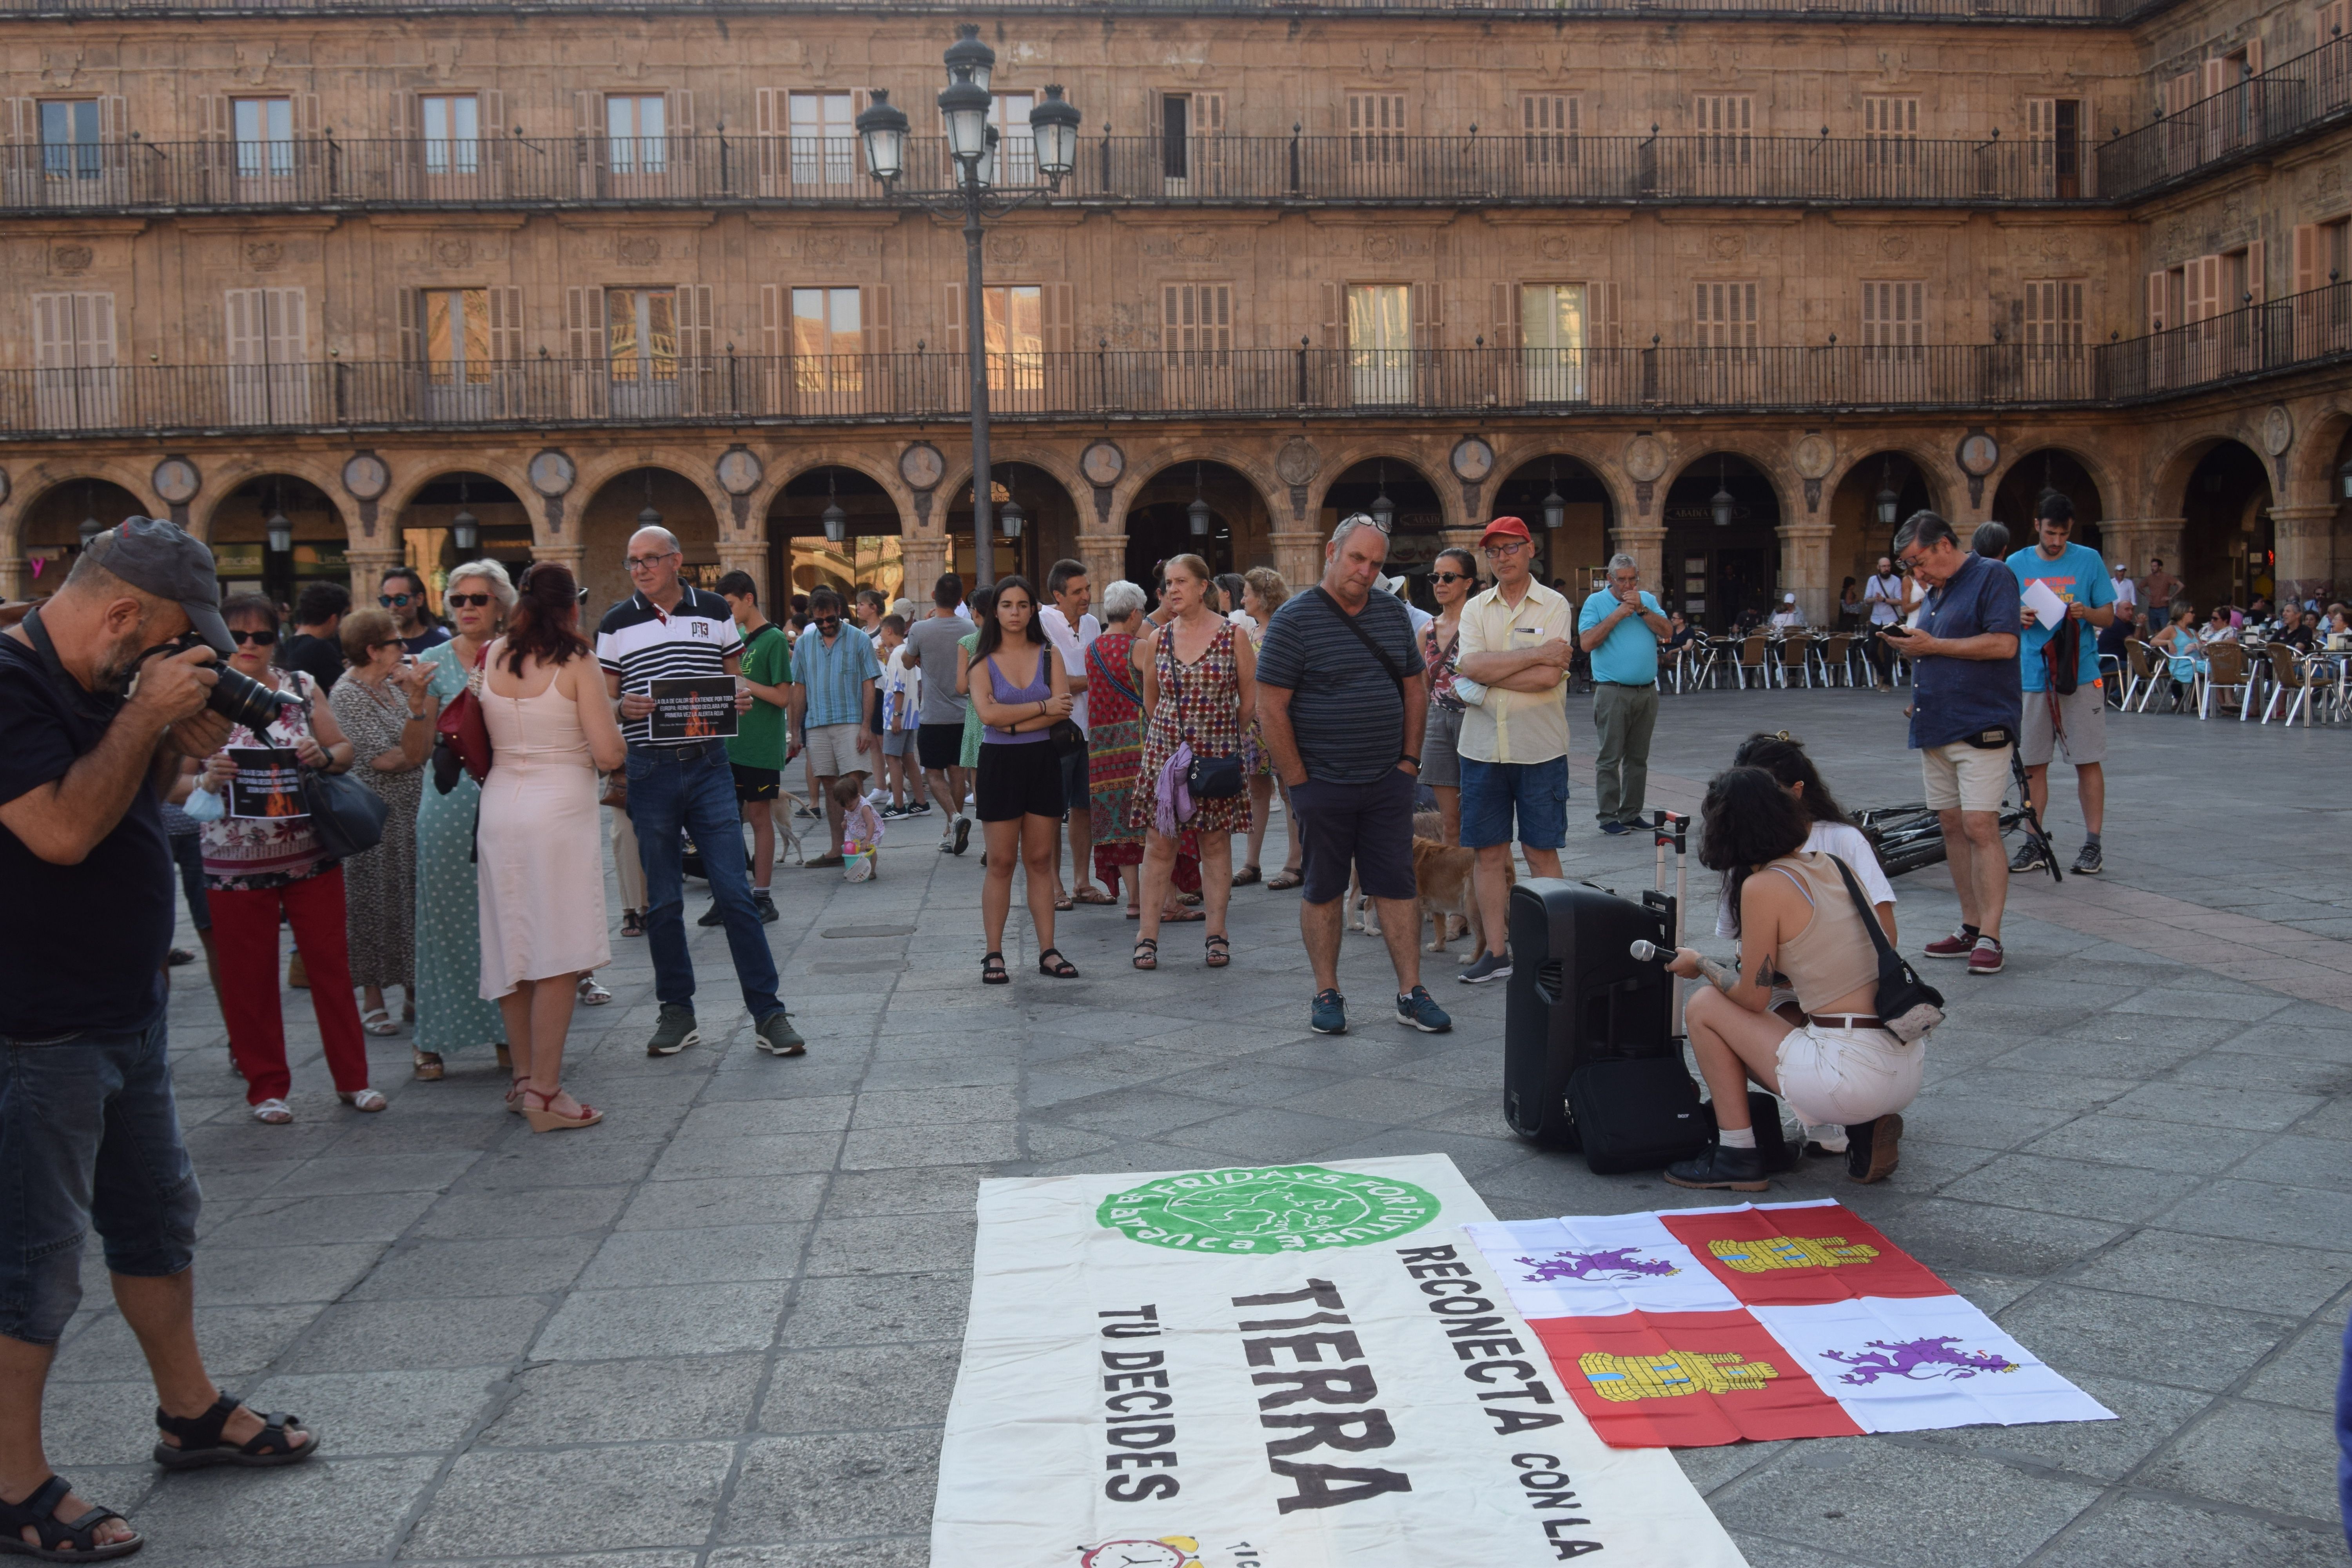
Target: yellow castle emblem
[
  {"x": 1669, "y": 1373},
  {"x": 1790, "y": 1252}
]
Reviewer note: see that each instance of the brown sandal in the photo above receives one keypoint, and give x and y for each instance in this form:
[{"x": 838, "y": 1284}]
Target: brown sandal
[
  {"x": 1284, "y": 882},
  {"x": 1248, "y": 875},
  {"x": 427, "y": 1064},
  {"x": 1221, "y": 952}
]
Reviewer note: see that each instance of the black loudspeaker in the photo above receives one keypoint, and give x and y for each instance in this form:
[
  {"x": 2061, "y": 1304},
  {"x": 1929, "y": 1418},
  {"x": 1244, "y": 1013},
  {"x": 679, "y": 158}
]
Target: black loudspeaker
[{"x": 1577, "y": 995}]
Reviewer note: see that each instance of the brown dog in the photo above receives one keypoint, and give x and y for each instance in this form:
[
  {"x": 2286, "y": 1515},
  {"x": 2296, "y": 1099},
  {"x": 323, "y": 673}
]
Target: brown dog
[{"x": 1444, "y": 889}]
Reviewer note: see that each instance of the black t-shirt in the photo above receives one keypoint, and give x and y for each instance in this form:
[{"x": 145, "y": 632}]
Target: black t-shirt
[
  {"x": 81, "y": 947},
  {"x": 323, "y": 658}
]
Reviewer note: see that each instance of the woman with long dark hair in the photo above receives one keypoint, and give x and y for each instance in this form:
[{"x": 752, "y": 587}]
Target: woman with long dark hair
[
  {"x": 1795, "y": 919},
  {"x": 1020, "y": 691},
  {"x": 1832, "y": 831},
  {"x": 543, "y": 867}
]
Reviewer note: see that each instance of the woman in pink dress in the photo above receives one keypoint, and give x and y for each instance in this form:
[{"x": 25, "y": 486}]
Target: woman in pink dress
[{"x": 543, "y": 867}]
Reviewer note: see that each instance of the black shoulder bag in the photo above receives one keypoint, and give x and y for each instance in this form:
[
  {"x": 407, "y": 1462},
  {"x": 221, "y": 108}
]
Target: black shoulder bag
[
  {"x": 347, "y": 817},
  {"x": 1907, "y": 1005}
]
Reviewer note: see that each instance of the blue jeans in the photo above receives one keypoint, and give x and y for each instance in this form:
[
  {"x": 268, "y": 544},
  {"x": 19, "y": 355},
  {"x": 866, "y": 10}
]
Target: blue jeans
[
  {"x": 693, "y": 787},
  {"x": 1537, "y": 793},
  {"x": 89, "y": 1135}
]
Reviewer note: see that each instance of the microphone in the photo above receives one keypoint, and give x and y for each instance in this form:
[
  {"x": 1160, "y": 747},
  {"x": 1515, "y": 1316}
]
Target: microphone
[{"x": 1721, "y": 978}]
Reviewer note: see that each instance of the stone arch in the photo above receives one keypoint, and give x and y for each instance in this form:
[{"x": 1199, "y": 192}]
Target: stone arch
[
  {"x": 1748, "y": 566},
  {"x": 1515, "y": 451},
  {"x": 1145, "y": 463},
  {"x": 316, "y": 469},
  {"x": 2311, "y": 462},
  {"x": 412, "y": 471},
  {"x": 511, "y": 527},
  {"x": 695, "y": 466},
  {"x": 2102, "y": 472},
  {"x": 32, "y": 487},
  {"x": 1418, "y": 454},
  {"x": 241, "y": 501},
  {"x": 606, "y": 518},
  {"x": 1938, "y": 474},
  {"x": 2221, "y": 486},
  {"x": 49, "y": 519},
  {"x": 2169, "y": 473},
  {"x": 1236, "y": 495},
  {"x": 1526, "y": 473}
]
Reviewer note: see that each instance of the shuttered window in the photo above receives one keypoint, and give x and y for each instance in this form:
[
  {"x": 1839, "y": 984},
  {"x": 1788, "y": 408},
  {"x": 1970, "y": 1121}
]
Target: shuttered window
[
  {"x": 468, "y": 331},
  {"x": 1890, "y": 118},
  {"x": 452, "y": 128},
  {"x": 1726, "y": 121},
  {"x": 69, "y": 139},
  {"x": 263, "y": 130},
  {"x": 1548, "y": 123},
  {"x": 641, "y": 333},
  {"x": 1196, "y": 325},
  {"x": 267, "y": 343},
  {"x": 1376, "y": 127},
  {"x": 636, "y": 128},
  {"x": 1723, "y": 316},
  {"x": 2054, "y": 318},
  {"x": 73, "y": 355},
  {"x": 2335, "y": 20},
  {"x": 823, "y": 137},
  {"x": 1893, "y": 319},
  {"x": 1016, "y": 145}
]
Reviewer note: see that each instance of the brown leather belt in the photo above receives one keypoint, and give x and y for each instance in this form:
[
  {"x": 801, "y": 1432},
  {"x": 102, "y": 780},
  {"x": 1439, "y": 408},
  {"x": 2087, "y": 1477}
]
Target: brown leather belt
[{"x": 1847, "y": 1020}]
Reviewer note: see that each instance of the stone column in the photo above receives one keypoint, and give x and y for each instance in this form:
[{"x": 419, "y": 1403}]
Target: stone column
[
  {"x": 2305, "y": 538},
  {"x": 1298, "y": 556},
  {"x": 737, "y": 552},
  {"x": 1105, "y": 553},
  {"x": 1645, "y": 541},
  {"x": 1805, "y": 570},
  {"x": 2132, "y": 539},
  {"x": 367, "y": 568},
  {"x": 923, "y": 557},
  {"x": 14, "y": 572}
]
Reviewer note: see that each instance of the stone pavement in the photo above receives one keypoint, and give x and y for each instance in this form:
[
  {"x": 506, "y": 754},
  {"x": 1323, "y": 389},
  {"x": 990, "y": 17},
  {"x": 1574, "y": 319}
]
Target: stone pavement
[{"x": 722, "y": 1328}]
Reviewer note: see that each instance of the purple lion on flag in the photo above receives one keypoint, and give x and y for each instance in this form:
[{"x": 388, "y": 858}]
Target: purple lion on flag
[
  {"x": 1617, "y": 1263},
  {"x": 1918, "y": 1361}
]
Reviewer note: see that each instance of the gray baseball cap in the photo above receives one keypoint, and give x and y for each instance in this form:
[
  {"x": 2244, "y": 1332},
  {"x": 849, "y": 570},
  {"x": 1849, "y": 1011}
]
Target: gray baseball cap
[{"x": 163, "y": 559}]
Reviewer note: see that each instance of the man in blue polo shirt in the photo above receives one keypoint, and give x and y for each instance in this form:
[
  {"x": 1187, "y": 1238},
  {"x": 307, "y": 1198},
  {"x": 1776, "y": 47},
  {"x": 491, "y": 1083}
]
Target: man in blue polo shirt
[
  {"x": 2063, "y": 715},
  {"x": 1620, "y": 626},
  {"x": 1964, "y": 719}
]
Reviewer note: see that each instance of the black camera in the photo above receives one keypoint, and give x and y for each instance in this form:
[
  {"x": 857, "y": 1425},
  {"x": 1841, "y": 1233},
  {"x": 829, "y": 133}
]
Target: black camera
[{"x": 235, "y": 696}]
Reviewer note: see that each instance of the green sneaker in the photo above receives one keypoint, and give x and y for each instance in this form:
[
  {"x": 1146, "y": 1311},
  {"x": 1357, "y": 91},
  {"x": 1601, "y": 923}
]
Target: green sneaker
[
  {"x": 776, "y": 1035},
  {"x": 674, "y": 1032}
]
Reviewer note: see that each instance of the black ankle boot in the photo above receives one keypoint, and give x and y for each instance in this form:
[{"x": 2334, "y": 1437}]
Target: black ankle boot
[{"x": 1741, "y": 1170}]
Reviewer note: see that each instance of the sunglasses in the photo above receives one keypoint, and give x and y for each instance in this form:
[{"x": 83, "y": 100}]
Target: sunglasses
[
  {"x": 467, "y": 601},
  {"x": 388, "y": 642},
  {"x": 260, "y": 639},
  {"x": 394, "y": 601},
  {"x": 1451, "y": 577}
]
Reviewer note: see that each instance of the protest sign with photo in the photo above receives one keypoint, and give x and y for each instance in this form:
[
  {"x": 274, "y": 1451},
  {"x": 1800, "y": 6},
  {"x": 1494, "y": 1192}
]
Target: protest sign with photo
[
  {"x": 268, "y": 784},
  {"x": 693, "y": 708},
  {"x": 1275, "y": 1367}
]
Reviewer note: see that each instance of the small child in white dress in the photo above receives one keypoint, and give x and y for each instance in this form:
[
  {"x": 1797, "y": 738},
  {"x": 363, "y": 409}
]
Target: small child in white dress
[{"x": 861, "y": 831}]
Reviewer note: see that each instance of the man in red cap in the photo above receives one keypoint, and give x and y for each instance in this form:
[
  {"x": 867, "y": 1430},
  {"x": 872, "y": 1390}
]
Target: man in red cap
[{"x": 1515, "y": 643}]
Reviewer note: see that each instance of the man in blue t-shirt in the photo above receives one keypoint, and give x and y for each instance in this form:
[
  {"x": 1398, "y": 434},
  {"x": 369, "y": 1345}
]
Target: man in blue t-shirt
[
  {"x": 1620, "y": 626},
  {"x": 1964, "y": 720},
  {"x": 2073, "y": 721}
]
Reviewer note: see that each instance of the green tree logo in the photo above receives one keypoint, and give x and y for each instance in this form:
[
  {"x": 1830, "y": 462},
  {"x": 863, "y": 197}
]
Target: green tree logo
[{"x": 1267, "y": 1209}]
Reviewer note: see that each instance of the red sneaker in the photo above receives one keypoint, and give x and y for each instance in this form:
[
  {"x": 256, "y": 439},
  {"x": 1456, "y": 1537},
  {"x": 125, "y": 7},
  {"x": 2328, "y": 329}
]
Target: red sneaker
[
  {"x": 1985, "y": 958},
  {"x": 1957, "y": 945}
]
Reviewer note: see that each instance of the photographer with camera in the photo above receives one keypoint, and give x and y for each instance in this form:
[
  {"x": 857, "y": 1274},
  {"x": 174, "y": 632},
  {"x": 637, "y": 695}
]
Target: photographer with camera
[
  {"x": 89, "y": 1134},
  {"x": 1966, "y": 704}
]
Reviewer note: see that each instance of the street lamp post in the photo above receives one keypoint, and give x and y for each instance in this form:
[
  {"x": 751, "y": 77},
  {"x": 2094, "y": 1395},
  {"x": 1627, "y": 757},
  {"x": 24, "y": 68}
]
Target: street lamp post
[{"x": 973, "y": 146}]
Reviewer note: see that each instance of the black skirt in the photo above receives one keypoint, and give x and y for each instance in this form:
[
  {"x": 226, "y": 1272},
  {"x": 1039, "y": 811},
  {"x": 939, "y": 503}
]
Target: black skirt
[{"x": 1018, "y": 779}]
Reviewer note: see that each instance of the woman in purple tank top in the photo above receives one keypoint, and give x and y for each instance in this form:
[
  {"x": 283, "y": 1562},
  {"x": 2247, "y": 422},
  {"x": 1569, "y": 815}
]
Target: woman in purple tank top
[{"x": 1020, "y": 692}]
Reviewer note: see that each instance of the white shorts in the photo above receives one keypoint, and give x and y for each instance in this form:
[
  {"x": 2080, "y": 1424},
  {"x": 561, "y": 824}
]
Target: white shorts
[
  {"x": 2084, "y": 711},
  {"x": 1847, "y": 1076},
  {"x": 833, "y": 750},
  {"x": 1961, "y": 777}
]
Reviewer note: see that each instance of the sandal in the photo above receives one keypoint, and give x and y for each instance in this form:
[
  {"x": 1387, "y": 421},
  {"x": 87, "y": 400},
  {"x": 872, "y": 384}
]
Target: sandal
[
  {"x": 1181, "y": 916},
  {"x": 514, "y": 1094},
  {"x": 1221, "y": 952},
  {"x": 593, "y": 994},
  {"x": 428, "y": 1065},
  {"x": 363, "y": 1099},
  {"x": 992, "y": 970},
  {"x": 1064, "y": 903},
  {"x": 1247, "y": 876},
  {"x": 632, "y": 923},
  {"x": 1090, "y": 894},
  {"x": 378, "y": 1021},
  {"x": 1060, "y": 968},
  {"x": 1146, "y": 952},
  {"x": 203, "y": 1440},
  {"x": 544, "y": 1118},
  {"x": 273, "y": 1111},
  {"x": 61, "y": 1541},
  {"x": 1190, "y": 901},
  {"x": 1284, "y": 881}
]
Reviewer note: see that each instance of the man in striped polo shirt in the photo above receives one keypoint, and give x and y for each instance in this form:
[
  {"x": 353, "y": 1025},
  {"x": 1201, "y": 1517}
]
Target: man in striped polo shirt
[{"x": 667, "y": 630}]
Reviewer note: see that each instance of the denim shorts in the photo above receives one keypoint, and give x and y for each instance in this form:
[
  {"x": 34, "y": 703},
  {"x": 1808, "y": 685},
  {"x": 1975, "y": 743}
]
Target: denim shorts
[
  {"x": 1493, "y": 792},
  {"x": 90, "y": 1137}
]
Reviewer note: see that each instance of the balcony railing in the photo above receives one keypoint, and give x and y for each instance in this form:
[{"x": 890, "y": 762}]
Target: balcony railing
[
  {"x": 2293, "y": 98},
  {"x": 2081, "y": 12},
  {"x": 1531, "y": 169},
  {"x": 2295, "y": 333}
]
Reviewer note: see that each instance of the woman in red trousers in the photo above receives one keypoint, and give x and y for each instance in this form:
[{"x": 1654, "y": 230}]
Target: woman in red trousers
[{"x": 256, "y": 866}]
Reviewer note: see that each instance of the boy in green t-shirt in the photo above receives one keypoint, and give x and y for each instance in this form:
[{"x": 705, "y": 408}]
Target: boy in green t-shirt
[{"x": 762, "y": 743}]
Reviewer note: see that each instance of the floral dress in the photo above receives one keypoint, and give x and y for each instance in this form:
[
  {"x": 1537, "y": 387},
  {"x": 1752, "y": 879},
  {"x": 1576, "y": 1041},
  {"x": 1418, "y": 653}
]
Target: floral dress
[
  {"x": 450, "y": 1013},
  {"x": 380, "y": 884},
  {"x": 1114, "y": 752},
  {"x": 1200, "y": 703}
]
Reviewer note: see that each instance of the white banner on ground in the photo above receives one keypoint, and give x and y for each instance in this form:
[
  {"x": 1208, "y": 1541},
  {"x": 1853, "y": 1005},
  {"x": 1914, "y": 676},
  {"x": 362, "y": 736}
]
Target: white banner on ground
[{"x": 1285, "y": 1366}]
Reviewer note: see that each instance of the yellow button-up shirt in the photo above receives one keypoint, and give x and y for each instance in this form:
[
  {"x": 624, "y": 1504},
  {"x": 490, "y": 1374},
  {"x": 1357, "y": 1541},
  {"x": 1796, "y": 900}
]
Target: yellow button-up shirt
[{"x": 1516, "y": 726}]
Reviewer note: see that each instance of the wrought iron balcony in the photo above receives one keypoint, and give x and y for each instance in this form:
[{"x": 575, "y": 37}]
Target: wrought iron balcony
[
  {"x": 2296, "y": 98},
  {"x": 2092, "y": 13},
  {"x": 2300, "y": 332},
  {"x": 1541, "y": 169}
]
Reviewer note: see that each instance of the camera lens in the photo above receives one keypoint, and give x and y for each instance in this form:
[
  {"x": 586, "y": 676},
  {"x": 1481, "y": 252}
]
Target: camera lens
[{"x": 242, "y": 699}]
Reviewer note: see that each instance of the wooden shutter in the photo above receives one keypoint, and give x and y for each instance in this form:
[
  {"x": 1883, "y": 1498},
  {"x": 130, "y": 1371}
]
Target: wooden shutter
[
  {"x": 2156, "y": 312},
  {"x": 873, "y": 317},
  {"x": 2306, "y": 258},
  {"x": 1335, "y": 331},
  {"x": 506, "y": 323},
  {"x": 955, "y": 318},
  {"x": 406, "y": 307},
  {"x": 219, "y": 119},
  {"x": 304, "y": 112},
  {"x": 678, "y": 111},
  {"x": 2216, "y": 77},
  {"x": 2335, "y": 20},
  {"x": 1503, "y": 310},
  {"x": 110, "y": 121},
  {"x": 284, "y": 325},
  {"x": 73, "y": 331},
  {"x": 1055, "y": 305},
  {"x": 1893, "y": 117},
  {"x": 407, "y": 120},
  {"x": 1425, "y": 315},
  {"x": 771, "y": 320},
  {"x": 52, "y": 331},
  {"x": 2204, "y": 281},
  {"x": 247, "y": 342},
  {"x": 2253, "y": 57},
  {"x": 2257, "y": 267},
  {"x": 1602, "y": 327},
  {"x": 94, "y": 324},
  {"x": 698, "y": 323},
  {"x": 1197, "y": 319},
  {"x": 23, "y": 122},
  {"x": 583, "y": 323}
]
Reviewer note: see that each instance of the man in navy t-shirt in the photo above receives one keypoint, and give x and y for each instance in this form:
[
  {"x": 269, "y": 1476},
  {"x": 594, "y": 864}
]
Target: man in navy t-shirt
[
  {"x": 2056, "y": 718},
  {"x": 1965, "y": 706}
]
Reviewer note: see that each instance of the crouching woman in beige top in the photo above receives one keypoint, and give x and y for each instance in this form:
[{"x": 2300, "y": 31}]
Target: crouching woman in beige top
[
  {"x": 542, "y": 871},
  {"x": 1793, "y": 917}
]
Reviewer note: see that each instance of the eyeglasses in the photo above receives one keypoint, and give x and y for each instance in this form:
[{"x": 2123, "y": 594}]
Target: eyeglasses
[
  {"x": 388, "y": 642},
  {"x": 648, "y": 563},
  {"x": 1451, "y": 577},
  {"x": 259, "y": 640},
  {"x": 467, "y": 601},
  {"x": 1504, "y": 549},
  {"x": 394, "y": 601}
]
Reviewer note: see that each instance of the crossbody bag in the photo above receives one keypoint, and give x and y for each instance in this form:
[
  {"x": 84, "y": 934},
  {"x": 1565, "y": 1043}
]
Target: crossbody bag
[{"x": 1908, "y": 1005}]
